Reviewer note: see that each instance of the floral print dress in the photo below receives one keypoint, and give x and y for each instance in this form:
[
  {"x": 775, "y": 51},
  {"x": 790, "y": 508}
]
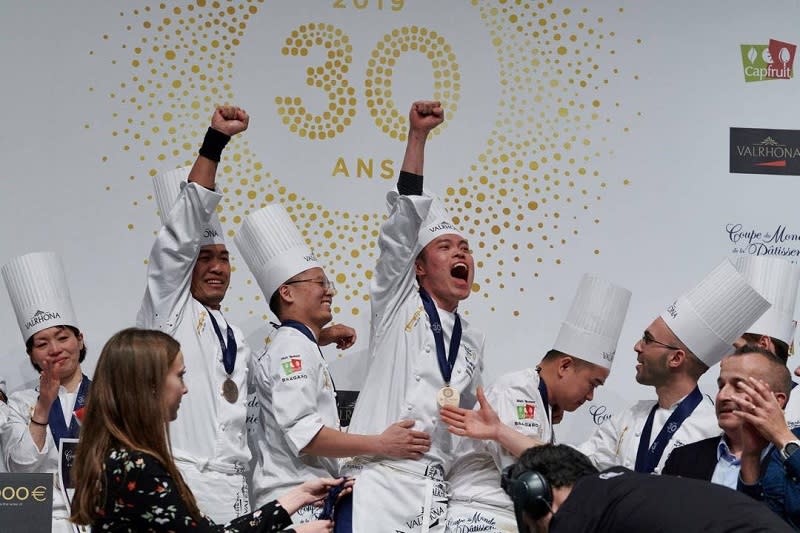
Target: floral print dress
[{"x": 142, "y": 496}]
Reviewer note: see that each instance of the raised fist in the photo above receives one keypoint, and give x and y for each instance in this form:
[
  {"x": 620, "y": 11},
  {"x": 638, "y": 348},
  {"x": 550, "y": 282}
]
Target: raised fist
[
  {"x": 230, "y": 120},
  {"x": 425, "y": 115}
]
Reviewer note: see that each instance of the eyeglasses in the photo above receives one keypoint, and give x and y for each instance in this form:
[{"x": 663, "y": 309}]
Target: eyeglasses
[
  {"x": 648, "y": 339},
  {"x": 325, "y": 283}
]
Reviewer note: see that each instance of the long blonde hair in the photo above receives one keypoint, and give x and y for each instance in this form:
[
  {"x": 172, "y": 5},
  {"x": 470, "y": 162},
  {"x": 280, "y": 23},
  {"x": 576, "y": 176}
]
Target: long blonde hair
[{"x": 125, "y": 410}]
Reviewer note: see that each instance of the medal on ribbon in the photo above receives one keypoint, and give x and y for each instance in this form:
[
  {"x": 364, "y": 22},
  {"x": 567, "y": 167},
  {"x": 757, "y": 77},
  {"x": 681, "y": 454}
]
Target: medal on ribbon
[
  {"x": 447, "y": 395},
  {"x": 230, "y": 391}
]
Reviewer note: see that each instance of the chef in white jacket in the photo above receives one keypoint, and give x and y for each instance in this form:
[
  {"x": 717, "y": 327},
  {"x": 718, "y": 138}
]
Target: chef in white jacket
[
  {"x": 693, "y": 334},
  {"x": 423, "y": 353},
  {"x": 187, "y": 277},
  {"x": 778, "y": 280},
  {"x": 298, "y": 417},
  {"x": 39, "y": 418},
  {"x": 530, "y": 401}
]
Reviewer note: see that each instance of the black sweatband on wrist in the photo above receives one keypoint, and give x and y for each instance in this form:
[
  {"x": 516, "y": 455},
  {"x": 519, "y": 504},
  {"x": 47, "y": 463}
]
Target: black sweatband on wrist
[
  {"x": 38, "y": 423},
  {"x": 409, "y": 184},
  {"x": 213, "y": 144}
]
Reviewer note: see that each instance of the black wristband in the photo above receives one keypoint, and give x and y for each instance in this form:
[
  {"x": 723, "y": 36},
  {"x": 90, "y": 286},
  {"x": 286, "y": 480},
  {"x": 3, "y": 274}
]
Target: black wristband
[
  {"x": 409, "y": 184},
  {"x": 38, "y": 423},
  {"x": 213, "y": 144}
]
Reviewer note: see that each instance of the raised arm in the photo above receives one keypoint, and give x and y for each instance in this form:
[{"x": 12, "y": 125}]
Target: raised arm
[
  {"x": 177, "y": 245},
  {"x": 394, "y": 272},
  {"x": 226, "y": 122},
  {"x": 423, "y": 117}
]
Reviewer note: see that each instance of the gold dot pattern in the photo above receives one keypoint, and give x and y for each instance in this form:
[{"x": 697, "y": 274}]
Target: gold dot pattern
[
  {"x": 446, "y": 75},
  {"x": 527, "y": 193},
  {"x": 330, "y": 77}
]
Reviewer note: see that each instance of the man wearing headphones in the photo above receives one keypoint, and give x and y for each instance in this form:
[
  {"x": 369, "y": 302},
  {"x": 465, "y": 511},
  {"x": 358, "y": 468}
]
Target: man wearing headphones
[{"x": 557, "y": 489}]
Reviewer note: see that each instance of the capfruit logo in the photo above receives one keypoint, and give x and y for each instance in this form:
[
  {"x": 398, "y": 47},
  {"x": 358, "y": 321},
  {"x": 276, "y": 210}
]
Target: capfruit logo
[{"x": 764, "y": 62}]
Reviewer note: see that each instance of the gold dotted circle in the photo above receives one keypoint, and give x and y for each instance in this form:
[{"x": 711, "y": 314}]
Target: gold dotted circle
[
  {"x": 382, "y": 61},
  {"x": 525, "y": 197}
]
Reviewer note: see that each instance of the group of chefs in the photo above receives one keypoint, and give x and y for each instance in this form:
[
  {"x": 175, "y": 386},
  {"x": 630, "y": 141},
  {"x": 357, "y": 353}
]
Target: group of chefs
[{"x": 426, "y": 444}]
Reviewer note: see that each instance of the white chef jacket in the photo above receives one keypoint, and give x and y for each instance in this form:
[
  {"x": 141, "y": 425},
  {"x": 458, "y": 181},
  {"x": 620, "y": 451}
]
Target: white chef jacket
[
  {"x": 475, "y": 475},
  {"x": 792, "y": 409},
  {"x": 209, "y": 436},
  {"x": 22, "y": 455},
  {"x": 404, "y": 379},
  {"x": 296, "y": 395},
  {"x": 616, "y": 441}
]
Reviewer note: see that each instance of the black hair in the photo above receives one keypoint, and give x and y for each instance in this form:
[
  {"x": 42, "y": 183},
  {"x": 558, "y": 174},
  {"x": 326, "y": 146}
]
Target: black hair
[
  {"x": 781, "y": 348},
  {"x": 73, "y": 329},
  {"x": 561, "y": 465}
]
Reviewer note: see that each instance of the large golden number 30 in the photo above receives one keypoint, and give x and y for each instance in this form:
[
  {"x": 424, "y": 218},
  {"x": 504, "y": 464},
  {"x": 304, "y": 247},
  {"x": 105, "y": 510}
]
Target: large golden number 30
[{"x": 330, "y": 77}]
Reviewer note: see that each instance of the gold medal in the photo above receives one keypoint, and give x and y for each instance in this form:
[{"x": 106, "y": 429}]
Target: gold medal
[
  {"x": 448, "y": 396},
  {"x": 230, "y": 391}
]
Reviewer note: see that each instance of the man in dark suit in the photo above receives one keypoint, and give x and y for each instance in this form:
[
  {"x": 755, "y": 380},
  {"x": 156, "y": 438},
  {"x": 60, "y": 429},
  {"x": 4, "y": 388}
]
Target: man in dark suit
[{"x": 718, "y": 459}]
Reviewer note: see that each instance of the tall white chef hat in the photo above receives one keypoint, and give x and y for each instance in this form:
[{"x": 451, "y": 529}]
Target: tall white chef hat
[
  {"x": 436, "y": 224},
  {"x": 594, "y": 321},
  {"x": 39, "y": 292},
  {"x": 712, "y": 315},
  {"x": 167, "y": 186},
  {"x": 273, "y": 248},
  {"x": 777, "y": 280}
]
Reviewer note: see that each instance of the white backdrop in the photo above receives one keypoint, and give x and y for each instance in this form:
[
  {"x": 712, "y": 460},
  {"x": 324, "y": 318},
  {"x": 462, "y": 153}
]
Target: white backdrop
[{"x": 581, "y": 136}]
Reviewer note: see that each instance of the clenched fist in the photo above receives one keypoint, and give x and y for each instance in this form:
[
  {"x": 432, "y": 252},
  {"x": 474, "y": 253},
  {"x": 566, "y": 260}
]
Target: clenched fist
[{"x": 230, "y": 120}]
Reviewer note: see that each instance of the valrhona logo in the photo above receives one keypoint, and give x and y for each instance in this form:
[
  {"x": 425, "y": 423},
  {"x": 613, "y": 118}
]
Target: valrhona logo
[
  {"x": 763, "y": 151},
  {"x": 673, "y": 310},
  {"x": 41, "y": 316},
  {"x": 764, "y": 62},
  {"x": 442, "y": 226}
]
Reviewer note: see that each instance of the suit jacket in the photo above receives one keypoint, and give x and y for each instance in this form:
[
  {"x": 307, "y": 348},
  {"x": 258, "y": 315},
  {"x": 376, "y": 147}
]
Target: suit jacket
[{"x": 697, "y": 460}]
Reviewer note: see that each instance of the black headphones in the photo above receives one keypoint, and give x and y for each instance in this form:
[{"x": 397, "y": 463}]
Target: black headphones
[{"x": 529, "y": 491}]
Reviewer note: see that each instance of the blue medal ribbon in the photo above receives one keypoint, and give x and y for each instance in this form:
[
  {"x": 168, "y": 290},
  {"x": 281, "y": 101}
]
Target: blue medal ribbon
[
  {"x": 305, "y": 330},
  {"x": 546, "y": 401},
  {"x": 648, "y": 456},
  {"x": 446, "y": 362},
  {"x": 229, "y": 351},
  {"x": 55, "y": 418}
]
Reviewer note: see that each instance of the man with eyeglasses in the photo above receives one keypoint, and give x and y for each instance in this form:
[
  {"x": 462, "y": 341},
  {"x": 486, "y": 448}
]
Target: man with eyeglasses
[
  {"x": 693, "y": 334},
  {"x": 298, "y": 415}
]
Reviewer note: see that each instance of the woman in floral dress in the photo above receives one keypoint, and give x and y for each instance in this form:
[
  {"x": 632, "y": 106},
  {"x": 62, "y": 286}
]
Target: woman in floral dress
[{"x": 126, "y": 477}]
